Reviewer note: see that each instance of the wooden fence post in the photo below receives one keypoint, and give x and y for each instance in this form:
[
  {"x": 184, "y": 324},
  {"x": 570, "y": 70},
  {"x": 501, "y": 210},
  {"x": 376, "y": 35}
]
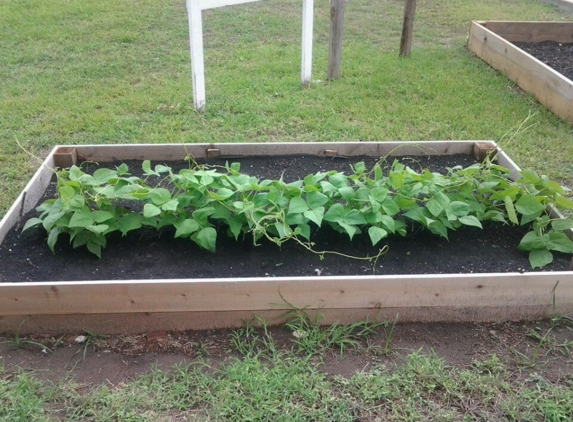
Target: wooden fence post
[
  {"x": 406, "y": 41},
  {"x": 335, "y": 40}
]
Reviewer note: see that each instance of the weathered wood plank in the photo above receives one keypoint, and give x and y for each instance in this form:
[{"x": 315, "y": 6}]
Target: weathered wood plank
[
  {"x": 29, "y": 197},
  {"x": 532, "y": 31},
  {"x": 549, "y": 87},
  {"x": 61, "y": 298},
  {"x": 407, "y": 28},
  {"x": 170, "y": 152},
  {"x": 181, "y": 321},
  {"x": 335, "y": 39}
]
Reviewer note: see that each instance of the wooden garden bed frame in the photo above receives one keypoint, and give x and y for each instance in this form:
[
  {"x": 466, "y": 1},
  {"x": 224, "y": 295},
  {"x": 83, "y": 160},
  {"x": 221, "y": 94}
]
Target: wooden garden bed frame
[
  {"x": 134, "y": 306},
  {"x": 492, "y": 42}
]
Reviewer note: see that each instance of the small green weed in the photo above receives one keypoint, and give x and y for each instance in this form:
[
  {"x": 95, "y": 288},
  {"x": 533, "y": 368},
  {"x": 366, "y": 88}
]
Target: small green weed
[
  {"x": 313, "y": 340},
  {"x": 18, "y": 342}
]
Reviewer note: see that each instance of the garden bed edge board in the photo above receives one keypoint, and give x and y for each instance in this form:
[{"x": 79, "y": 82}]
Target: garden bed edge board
[
  {"x": 492, "y": 42},
  {"x": 146, "y": 305}
]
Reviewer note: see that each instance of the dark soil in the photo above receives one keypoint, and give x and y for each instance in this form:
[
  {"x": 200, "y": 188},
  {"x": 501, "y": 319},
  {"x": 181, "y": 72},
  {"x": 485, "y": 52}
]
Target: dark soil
[
  {"x": 146, "y": 254},
  {"x": 554, "y": 54}
]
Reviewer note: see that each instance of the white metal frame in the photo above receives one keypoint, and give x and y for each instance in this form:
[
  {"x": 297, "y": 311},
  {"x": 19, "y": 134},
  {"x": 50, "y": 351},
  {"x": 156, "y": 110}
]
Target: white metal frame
[{"x": 194, "y": 9}]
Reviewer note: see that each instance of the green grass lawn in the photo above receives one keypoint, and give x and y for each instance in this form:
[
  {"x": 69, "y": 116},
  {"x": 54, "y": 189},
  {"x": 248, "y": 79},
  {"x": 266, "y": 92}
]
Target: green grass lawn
[
  {"x": 77, "y": 72},
  {"x": 102, "y": 72}
]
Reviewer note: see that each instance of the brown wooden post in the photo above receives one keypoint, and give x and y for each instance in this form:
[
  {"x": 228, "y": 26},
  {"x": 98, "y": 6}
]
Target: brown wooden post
[
  {"x": 407, "y": 29},
  {"x": 335, "y": 41}
]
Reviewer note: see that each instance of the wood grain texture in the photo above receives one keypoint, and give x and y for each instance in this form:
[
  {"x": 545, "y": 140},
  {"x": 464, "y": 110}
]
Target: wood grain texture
[
  {"x": 407, "y": 28},
  {"x": 549, "y": 87},
  {"x": 335, "y": 39}
]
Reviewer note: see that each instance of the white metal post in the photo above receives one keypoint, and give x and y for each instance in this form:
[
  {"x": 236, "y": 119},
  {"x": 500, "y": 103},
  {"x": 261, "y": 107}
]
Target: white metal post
[
  {"x": 196, "y": 47},
  {"x": 194, "y": 9},
  {"x": 306, "y": 59}
]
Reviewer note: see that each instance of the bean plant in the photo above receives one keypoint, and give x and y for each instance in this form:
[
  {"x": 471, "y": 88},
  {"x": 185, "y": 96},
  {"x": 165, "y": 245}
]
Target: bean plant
[{"x": 381, "y": 201}]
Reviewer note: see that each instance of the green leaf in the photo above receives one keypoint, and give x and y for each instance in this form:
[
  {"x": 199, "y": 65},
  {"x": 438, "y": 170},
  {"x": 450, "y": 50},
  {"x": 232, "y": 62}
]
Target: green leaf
[
  {"x": 303, "y": 230},
  {"x": 377, "y": 172},
  {"x": 51, "y": 219},
  {"x": 359, "y": 167},
  {"x": 206, "y": 238},
  {"x": 351, "y": 230},
  {"x": 328, "y": 188},
  {"x": 347, "y": 193},
  {"x": 470, "y": 220},
  {"x": 66, "y": 192},
  {"x": 559, "y": 242},
  {"x": 32, "y": 222},
  {"x": 389, "y": 223},
  {"x": 222, "y": 194},
  {"x": 201, "y": 215},
  {"x": 510, "y": 193},
  {"x": 160, "y": 168},
  {"x": 540, "y": 258},
  {"x": 495, "y": 215},
  {"x": 435, "y": 207},
  {"x": 235, "y": 226},
  {"x": 75, "y": 173},
  {"x": 81, "y": 218},
  {"x": 283, "y": 230},
  {"x": 146, "y": 166},
  {"x": 376, "y": 234},
  {"x": 379, "y": 193},
  {"x": 150, "y": 210},
  {"x": 170, "y": 205},
  {"x": 563, "y": 203},
  {"x": 76, "y": 202},
  {"x": 528, "y": 205},
  {"x": 122, "y": 169},
  {"x": 129, "y": 222},
  {"x": 390, "y": 207},
  {"x": 510, "y": 210},
  {"x": 458, "y": 208},
  {"x": 81, "y": 238},
  {"x": 354, "y": 217},
  {"x": 97, "y": 229},
  {"x": 297, "y": 205},
  {"x": 103, "y": 175},
  {"x": 339, "y": 180},
  {"x": 101, "y": 216},
  {"x": 315, "y": 215},
  {"x": 562, "y": 224},
  {"x": 159, "y": 196},
  {"x": 53, "y": 237},
  {"x": 531, "y": 241},
  {"x": 167, "y": 220},
  {"x": 186, "y": 227},
  {"x": 335, "y": 213},
  {"x": 94, "y": 248},
  {"x": 316, "y": 199}
]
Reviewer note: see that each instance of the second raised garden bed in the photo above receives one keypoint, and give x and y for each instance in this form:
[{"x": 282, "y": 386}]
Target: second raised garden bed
[
  {"x": 493, "y": 41},
  {"x": 138, "y": 305}
]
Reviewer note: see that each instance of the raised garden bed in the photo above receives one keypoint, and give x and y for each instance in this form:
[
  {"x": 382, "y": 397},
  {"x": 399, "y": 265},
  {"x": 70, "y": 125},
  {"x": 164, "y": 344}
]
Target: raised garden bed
[
  {"x": 493, "y": 41},
  {"x": 140, "y": 304}
]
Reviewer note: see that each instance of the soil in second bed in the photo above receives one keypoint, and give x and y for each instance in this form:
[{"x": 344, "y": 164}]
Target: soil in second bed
[
  {"x": 147, "y": 254},
  {"x": 556, "y": 55}
]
